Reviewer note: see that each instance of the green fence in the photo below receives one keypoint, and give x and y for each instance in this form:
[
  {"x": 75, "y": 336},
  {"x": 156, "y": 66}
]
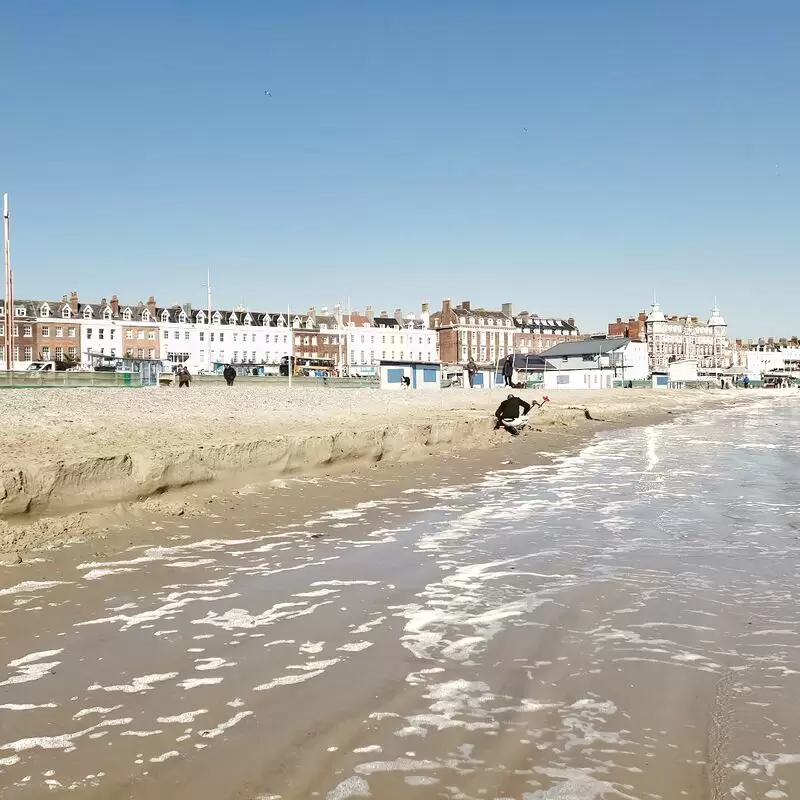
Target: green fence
[{"x": 43, "y": 380}]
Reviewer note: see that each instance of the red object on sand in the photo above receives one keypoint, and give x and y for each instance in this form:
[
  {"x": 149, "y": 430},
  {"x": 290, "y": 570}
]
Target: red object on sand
[{"x": 545, "y": 399}]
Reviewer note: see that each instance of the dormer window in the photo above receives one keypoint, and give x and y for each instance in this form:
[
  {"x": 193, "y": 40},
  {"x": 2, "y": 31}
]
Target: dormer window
[
  {"x": 88, "y": 313},
  {"x": 248, "y": 320},
  {"x": 44, "y": 311},
  {"x": 201, "y": 317},
  {"x": 165, "y": 315},
  {"x": 66, "y": 312},
  {"x": 182, "y": 317},
  {"x": 462, "y": 321},
  {"x": 281, "y": 322},
  {"x": 127, "y": 315},
  {"x": 107, "y": 313},
  {"x": 145, "y": 316},
  {"x": 232, "y": 319},
  {"x": 309, "y": 323},
  {"x": 19, "y": 311},
  {"x": 217, "y": 318}
]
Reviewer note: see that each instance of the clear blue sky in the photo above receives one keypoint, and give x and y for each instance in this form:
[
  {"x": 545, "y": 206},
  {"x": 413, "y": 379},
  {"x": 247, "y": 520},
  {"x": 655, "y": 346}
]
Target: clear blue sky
[{"x": 391, "y": 163}]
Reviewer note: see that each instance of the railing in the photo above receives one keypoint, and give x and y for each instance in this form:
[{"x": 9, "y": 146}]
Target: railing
[{"x": 33, "y": 380}]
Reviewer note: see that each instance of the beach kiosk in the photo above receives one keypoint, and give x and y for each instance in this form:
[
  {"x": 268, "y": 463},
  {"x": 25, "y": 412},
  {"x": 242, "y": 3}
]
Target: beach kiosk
[{"x": 410, "y": 375}]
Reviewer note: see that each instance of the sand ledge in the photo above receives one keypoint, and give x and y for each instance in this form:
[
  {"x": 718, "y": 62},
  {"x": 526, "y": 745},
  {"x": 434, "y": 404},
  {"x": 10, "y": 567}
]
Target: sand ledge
[{"x": 70, "y": 477}]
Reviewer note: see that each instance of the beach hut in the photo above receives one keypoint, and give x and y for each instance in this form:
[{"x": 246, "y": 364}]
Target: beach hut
[{"x": 412, "y": 375}]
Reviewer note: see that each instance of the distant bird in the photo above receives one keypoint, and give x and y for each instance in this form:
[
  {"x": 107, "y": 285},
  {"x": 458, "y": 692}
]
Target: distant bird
[{"x": 268, "y": 94}]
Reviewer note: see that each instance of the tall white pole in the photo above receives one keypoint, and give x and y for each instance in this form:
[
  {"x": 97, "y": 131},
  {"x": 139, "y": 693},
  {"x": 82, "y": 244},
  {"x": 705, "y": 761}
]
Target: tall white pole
[
  {"x": 291, "y": 343},
  {"x": 347, "y": 341},
  {"x": 208, "y": 323},
  {"x": 9, "y": 312}
]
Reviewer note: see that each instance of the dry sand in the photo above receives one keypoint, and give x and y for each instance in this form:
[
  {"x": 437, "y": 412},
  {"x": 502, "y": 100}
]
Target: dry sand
[{"x": 65, "y": 452}]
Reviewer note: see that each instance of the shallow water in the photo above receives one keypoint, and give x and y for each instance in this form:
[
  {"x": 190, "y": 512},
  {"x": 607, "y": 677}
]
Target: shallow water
[{"x": 620, "y": 624}]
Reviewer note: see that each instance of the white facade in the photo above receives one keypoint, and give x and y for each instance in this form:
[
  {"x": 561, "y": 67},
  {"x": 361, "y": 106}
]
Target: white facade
[
  {"x": 372, "y": 341},
  {"x": 757, "y": 362},
  {"x": 687, "y": 338},
  {"x": 595, "y": 364}
]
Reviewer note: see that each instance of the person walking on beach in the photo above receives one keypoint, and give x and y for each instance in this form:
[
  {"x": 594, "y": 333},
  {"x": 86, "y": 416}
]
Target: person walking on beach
[
  {"x": 184, "y": 378},
  {"x": 508, "y": 370},
  {"x": 229, "y": 373},
  {"x": 472, "y": 369}
]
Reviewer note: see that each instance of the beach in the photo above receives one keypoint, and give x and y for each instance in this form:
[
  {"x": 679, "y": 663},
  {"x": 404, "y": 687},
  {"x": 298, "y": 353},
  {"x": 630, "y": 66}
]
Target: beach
[
  {"x": 602, "y": 616},
  {"x": 67, "y": 454}
]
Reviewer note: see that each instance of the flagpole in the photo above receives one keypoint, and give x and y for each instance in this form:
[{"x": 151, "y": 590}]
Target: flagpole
[
  {"x": 208, "y": 324},
  {"x": 9, "y": 312},
  {"x": 291, "y": 343}
]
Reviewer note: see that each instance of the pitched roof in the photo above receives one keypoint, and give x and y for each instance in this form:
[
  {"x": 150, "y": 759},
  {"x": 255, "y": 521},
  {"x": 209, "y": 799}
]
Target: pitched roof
[
  {"x": 540, "y": 324},
  {"x": 585, "y": 347}
]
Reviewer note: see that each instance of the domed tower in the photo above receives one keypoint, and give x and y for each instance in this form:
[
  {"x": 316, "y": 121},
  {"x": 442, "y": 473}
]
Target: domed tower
[
  {"x": 655, "y": 327},
  {"x": 719, "y": 338}
]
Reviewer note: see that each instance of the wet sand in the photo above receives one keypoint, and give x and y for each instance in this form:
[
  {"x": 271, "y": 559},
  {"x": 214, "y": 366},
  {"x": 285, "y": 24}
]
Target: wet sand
[{"x": 474, "y": 629}]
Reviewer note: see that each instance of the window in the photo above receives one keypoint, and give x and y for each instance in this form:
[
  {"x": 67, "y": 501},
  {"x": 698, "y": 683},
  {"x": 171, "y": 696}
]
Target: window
[
  {"x": 127, "y": 315},
  {"x": 129, "y": 334},
  {"x": 59, "y": 332},
  {"x": 44, "y": 311},
  {"x": 16, "y": 353},
  {"x": 235, "y": 355},
  {"x": 165, "y": 315},
  {"x": 101, "y": 333},
  {"x": 16, "y": 330},
  {"x": 186, "y": 335},
  {"x": 202, "y": 336},
  {"x": 252, "y": 337},
  {"x": 202, "y": 355},
  {"x": 145, "y": 316},
  {"x": 20, "y": 311},
  {"x": 235, "y": 337},
  {"x": 2, "y": 330},
  {"x": 72, "y": 353},
  {"x": 29, "y": 354},
  {"x": 65, "y": 312},
  {"x": 87, "y": 312},
  {"x": 151, "y": 335},
  {"x": 176, "y": 335},
  {"x": 88, "y": 333},
  {"x": 182, "y": 317},
  {"x": 140, "y": 353},
  {"x": 45, "y": 354},
  {"x": 111, "y": 333},
  {"x": 59, "y": 353},
  {"x": 221, "y": 337},
  {"x": 140, "y": 334},
  {"x": 107, "y": 313},
  {"x": 27, "y": 330},
  {"x": 221, "y": 355}
]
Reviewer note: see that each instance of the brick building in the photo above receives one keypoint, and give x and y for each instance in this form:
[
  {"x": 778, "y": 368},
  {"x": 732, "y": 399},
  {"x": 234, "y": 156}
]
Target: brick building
[
  {"x": 140, "y": 330},
  {"x": 535, "y": 334},
  {"x": 633, "y": 329},
  {"x": 464, "y": 332},
  {"x": 44, "y": 330}
]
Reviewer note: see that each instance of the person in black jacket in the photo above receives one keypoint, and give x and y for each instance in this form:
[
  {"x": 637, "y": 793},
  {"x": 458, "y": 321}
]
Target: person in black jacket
[
  {"x": 229, "y": 373},
  {"x": 508, "y": 412},
  {"x": 508, "y": 369}
]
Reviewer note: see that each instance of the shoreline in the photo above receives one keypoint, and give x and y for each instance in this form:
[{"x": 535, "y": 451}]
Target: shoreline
[{"x": 96, "y": 495}]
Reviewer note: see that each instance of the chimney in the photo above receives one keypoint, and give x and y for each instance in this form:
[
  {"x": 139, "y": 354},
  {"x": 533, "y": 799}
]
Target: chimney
[
  {"x": 508, "y": 309},
  {"x": 151, "y": 306},
  {"x": 571, "y": 321},
  {"x": 368, "y": 313},
  {"x": 425, "y": 308},
  {"x": 466, "y": 305},
  {"x": 384, "y": 314},
  {"x": 447, "y": 311},
  {"x": 103, "y": 303},
  {"x": 114, "y": 305},
  {"x": 619, "y": 319},
  {"x": 312, "y": 312},
  {"x": 73, "y": 302},
  {"x": 63, "y": 298},
  {"x": 398, "y": 314}
]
